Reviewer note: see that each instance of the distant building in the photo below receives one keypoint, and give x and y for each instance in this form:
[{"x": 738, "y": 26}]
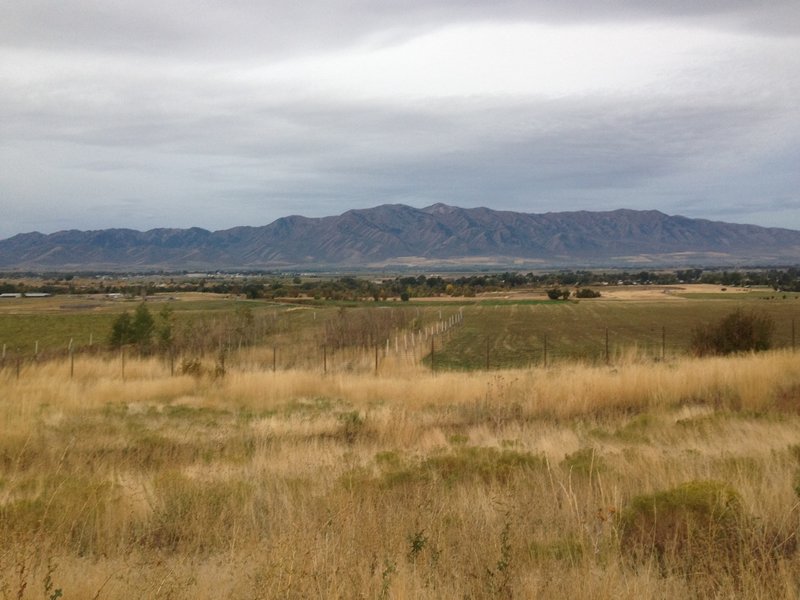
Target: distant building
[{"x": 11, "y": 295}]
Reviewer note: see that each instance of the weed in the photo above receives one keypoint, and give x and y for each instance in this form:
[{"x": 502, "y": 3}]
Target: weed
[
  {"x": 585, "y": 461},
  {"x": 352, "y": 426},
  {"x": 416, "y": 544},
  {"x": 567, "y": 549},
  {"x": 498, "y": 579},
  {"x": 191, "y": 366},
  {"x": 389, "y": 569}
]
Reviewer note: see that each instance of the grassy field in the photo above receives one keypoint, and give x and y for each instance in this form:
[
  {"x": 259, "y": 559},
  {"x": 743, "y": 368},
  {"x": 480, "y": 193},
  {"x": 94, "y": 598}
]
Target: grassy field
[
  {"x": 514, "y": 334},
  {"x": 504, "y": 484},
  {"x": 353, "y": 470},
  {"x": 513, "y": 331}
]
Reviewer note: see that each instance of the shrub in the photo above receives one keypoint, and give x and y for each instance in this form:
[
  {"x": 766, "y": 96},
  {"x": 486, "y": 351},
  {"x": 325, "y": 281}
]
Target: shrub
[
  {"x": 587, "y": 293},
  {"x": 558, "y": 294},
  {"x": 694, "y": 527},
  {"x": 739, "y": 331}
]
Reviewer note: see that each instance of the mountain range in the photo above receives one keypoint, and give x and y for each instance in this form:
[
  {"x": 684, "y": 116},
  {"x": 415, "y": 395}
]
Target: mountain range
[{"x": 395, "y": 235}]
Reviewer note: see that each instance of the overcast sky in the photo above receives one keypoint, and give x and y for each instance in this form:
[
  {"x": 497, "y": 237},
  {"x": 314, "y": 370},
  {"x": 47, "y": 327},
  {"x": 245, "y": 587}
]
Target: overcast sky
[{"x": 143, "y": 114}]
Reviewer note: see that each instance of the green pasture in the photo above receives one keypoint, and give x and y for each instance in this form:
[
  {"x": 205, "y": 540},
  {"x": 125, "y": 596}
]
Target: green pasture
[
  {"x": 506, "y": 333},
  {"x": 49, "y": 326},
  {"x": 515, "y": 335}
]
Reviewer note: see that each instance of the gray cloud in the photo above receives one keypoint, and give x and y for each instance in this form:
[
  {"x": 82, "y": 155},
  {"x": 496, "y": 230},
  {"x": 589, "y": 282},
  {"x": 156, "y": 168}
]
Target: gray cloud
[{"x": 156, "y": 114}]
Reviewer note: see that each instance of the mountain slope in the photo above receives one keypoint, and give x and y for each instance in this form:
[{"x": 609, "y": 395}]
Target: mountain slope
[{"x": 398, "y": 234}]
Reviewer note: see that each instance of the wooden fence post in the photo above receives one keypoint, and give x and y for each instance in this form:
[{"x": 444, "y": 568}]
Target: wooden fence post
[{"x": 545, "y": 351}]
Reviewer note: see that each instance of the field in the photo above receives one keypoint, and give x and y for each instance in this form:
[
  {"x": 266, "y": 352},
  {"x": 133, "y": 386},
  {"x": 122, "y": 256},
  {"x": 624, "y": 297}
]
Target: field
[{"x": 360, "y": 472}]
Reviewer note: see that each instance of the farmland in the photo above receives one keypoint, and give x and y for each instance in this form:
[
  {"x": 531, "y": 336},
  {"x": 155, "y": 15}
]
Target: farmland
[{"x": 322, "y": 462}]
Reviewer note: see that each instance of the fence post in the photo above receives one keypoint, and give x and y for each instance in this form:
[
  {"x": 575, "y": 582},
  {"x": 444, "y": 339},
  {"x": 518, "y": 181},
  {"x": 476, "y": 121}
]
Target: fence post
[
  {"x": 545, "y": 351},
  {"x": 324, "y": 359},
  {"x": 487, "y": 353},
  {"x": 71, "y": 360},
  {"x": 376, "y": 359},
  {"x": 607, "y": 356},
  {"x": 793, "y": 339}
]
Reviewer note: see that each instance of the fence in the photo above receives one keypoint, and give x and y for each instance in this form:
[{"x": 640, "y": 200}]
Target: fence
[{"x": 429, "y": 345}]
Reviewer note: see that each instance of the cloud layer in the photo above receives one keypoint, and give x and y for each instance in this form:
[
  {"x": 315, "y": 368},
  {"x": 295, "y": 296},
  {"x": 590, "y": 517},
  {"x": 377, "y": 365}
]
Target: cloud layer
[{"x": 146, "y": 114}]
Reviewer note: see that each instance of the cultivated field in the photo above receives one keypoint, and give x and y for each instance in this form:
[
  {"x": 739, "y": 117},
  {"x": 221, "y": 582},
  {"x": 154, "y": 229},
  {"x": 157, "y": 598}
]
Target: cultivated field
[{"x": 650, "y": 476}]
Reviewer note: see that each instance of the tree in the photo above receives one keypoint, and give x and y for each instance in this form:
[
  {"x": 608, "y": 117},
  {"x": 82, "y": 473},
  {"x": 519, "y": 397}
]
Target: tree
[
  {"x": 739, "y": 331},
  {"x": 121, "y": 331},
  {"x": 137, "y": 330},
  {"x": 164, "y": 332}
]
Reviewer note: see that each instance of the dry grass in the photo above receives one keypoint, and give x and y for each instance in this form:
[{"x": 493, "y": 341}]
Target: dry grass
[{"x": 404, "y": 484}]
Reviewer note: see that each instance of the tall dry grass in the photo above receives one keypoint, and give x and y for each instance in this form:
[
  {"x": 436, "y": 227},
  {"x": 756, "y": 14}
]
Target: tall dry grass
[{"x": 400, "y": 484}]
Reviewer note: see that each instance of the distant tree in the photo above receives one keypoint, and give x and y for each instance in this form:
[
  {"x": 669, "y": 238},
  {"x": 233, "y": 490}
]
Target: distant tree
[
  {"x": 164, "y": 329},
  {"x": 558, "y": 294},
  {"x": 121, "y": 331},
  {"x": 142, "y": 327},
  {"x": 587, "y": 293},
  {"x": 137, "y": 330}
]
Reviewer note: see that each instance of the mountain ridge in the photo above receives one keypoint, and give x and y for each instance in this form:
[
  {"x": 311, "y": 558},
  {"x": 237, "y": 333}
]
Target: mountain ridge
[{"x": 396, "y": 234}]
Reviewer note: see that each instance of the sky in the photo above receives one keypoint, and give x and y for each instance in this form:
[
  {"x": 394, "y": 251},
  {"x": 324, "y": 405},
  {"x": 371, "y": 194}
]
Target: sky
[{"x": 220, "y": 113}]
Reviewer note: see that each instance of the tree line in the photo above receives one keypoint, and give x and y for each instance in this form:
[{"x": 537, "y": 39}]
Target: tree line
[{"x": 403, "y": 286}]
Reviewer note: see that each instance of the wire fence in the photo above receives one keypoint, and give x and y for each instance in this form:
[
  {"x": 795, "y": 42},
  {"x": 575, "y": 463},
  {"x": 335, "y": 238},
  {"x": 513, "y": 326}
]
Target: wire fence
[{"x": 437, "y": 345}]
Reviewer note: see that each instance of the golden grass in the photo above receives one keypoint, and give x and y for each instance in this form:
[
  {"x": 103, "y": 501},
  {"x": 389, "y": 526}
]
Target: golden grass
[{"x": 401, "y": 484}]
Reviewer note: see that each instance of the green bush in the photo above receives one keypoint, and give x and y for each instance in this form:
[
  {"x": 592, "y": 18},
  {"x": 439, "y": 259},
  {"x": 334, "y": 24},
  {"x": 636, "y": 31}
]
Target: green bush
[
  {"x": 694, "y": 527},
  {"x": 740, "y": 331},
  {"x": 558, "y": 294}
]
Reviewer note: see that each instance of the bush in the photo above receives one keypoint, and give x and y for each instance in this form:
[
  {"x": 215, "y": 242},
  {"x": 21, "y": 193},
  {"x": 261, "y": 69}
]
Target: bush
[
  {"x": 587, "y": 293},
  {"x": 557, "y": 294},
  {"x": 739, "y": 331},
  {"x": 696, "y": 526}
]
